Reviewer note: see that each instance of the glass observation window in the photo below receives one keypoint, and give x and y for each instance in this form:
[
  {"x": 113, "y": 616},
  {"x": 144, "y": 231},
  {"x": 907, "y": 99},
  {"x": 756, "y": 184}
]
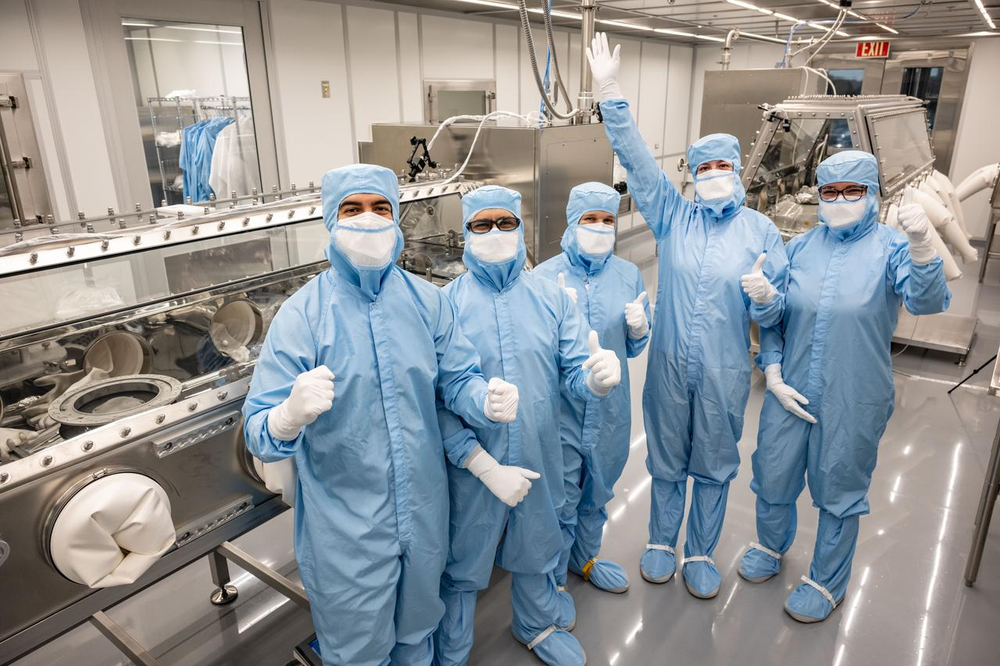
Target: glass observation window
[{"x": 192, "y": 92}]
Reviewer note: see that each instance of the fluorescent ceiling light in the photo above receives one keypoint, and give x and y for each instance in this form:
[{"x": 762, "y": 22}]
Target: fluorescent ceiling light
[
  {"x": 134, "y": 24},
  {"x": 628, "y": 26},
  {"x": 152, "y": 39},
  {"x": 679, "y": 33},
  {"x": 887, "y": 28},
  {"x": 185, "y": 27},
  {"x": 791, "y": 19},
  {"x": 747, "y": 5},
  {"x": 710, "y": 38},
  {"x": 490, "y": 3},
  {"x": 204, "y": 41},
  {"x": 986, "y": 16}
]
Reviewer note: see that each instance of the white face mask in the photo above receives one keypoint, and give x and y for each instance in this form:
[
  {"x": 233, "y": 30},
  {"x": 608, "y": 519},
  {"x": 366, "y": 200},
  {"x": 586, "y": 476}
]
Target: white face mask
[
  {"x": 838, "y": 214},
  {"x": 595, "y": 239},
  {"x": 715, "y": 185},
  {"x": 367, "y": 240},
  {"x": 495, "y": 246}
]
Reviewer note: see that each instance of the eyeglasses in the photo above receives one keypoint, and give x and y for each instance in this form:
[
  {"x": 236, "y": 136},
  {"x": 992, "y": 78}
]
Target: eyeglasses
[
  {"x": 485, "y": 226},
  {"x": 850, "y": 193}
]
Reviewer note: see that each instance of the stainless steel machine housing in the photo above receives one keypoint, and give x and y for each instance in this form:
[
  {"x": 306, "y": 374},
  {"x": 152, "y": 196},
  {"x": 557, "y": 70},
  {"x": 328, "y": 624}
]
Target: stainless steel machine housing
[{"x": 542, "y": 163}]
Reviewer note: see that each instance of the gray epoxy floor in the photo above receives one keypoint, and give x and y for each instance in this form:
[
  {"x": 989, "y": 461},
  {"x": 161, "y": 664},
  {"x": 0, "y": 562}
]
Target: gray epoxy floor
[{"x": 907, "y": 602}]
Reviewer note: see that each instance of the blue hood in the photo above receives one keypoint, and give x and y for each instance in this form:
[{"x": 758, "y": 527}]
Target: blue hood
[
  {"x": 341, "y": 183},
  {"x": 499, "y": 274},
  {"x": 719, "y": 147},
  {"x": 852, "y": 166},
  {"x": 583, "y": 199}
]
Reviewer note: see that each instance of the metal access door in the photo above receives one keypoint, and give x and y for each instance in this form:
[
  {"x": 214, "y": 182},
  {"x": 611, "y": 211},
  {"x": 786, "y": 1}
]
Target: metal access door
[
  {"x": 23, "y": 193},
  {"x": 939, "y": 78}
]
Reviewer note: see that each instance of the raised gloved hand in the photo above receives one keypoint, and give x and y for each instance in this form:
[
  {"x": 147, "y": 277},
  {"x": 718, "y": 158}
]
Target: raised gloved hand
[
  {"x": 914, "y": 223},
  {"x": 501, "y": 401},
  {"x": 605, "y": 65},
  {"x": 312, "y": 394},
  {"x": 756, "y": 285},
  {"x": 510, "y": 484},
  {"x": 605, "y": 368},
  {"x": 789, "y": 398},
  {"x": 570, "y": 291},
  {"x": 635, "y": 317}
]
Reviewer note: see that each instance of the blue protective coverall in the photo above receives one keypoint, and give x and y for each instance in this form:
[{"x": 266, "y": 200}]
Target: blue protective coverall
[
  {"x": 371, "y": 517},
  {"x": 528, "y": 333},
  {"x": 595, "y": 435},
  {"x": 698, "y": 377},
  {"x": 844, "y": 289}
]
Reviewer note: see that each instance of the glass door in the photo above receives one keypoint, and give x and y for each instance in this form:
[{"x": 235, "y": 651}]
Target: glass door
[{"x": 186, "y": 98}]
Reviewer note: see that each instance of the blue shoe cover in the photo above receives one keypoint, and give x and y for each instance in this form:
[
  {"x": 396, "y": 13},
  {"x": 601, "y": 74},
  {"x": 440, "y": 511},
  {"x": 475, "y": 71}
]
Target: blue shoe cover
[
  {"x": 608, "y": 576},
  {"x": 807, "y": 604},
  {"x": 657, "y": 566},
  {"x": 559, "y": 648},
  {"x": 702, "y": 579},
  {"x": 757, "y": 566},
  {"x": 566, "y": 619}
]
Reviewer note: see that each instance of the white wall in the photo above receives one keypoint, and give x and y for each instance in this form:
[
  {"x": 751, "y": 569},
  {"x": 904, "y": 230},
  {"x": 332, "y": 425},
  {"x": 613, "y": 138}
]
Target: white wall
[
  {"x": 387, "y": 53},
  {"x": 978, "y": 141}
]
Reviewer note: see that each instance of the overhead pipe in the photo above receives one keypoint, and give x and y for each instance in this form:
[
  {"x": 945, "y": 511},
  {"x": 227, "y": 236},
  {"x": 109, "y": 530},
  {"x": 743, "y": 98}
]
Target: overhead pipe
[
  {"x": 585, "y": 100},
  {"x": 727, "y": 47}
]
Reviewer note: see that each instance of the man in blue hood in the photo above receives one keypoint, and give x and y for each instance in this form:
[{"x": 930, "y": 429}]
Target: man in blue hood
[
  {"x": 610, "y": 296},
  {"x": 371, "y": 519},
  {"x": 846, "y": 281},
  {"x": 698, "y": 380},
  {"x": 527, "y": 331}
]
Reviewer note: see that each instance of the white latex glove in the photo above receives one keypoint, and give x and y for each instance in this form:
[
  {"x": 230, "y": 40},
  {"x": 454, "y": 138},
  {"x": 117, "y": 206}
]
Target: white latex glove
[
  {"x": 10, "y": 437},
  {"x": 501, "y": 401},
  {"x": 510, "y": 484},
  {"x": 312, "y": 394},
  {"x": 570, "y": 291},
  {"x": 914, "y": 223},
  {"x": 635, "y": 317},
  {"x": 605, "y": 368},
  {"x": 789, "y": 398},
  {"x": 605, "y": 65},
  {"x": 756, "y": 285}
]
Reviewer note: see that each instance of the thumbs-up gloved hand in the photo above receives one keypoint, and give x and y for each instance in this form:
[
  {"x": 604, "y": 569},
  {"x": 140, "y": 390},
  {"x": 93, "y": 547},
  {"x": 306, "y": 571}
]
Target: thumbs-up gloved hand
[
  {"x": 510, "y": 484},
  {"x": 914, "y": 223},
  {"x": 312, "y": 394},
  {"x": 635, "y": 317},
  {"x": 756, "y": 285},
  {"x": 501, "y": 401},
  {"x": 570, "y": 291},
  {"x": 605, "y": 368}
]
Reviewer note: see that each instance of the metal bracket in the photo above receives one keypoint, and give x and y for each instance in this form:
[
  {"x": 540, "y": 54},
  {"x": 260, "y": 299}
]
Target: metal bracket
[
  {"x": 23, "y": 163},
  {"x": 9, "y": 101},
  {"x": 130, "y": 647},
  {"x": 264, "y": 573}
]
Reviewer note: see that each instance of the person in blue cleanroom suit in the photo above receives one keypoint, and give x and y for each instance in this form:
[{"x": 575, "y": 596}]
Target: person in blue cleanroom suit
[
  {"x": 698, "y": 377},
  {"x": 371, "y": 519},
  {"x": 527, "y": 331},
  {"x": 846, "y": 281},
  {"x": 610, "y": 295}
]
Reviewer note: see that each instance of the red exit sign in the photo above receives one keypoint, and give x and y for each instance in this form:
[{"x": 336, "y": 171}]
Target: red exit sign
[{"x": 872, "y": 50}]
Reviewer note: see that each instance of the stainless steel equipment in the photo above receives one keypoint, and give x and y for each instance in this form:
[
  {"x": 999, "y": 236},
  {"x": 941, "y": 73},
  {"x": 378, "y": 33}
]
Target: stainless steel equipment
[
  {"x": 991, "y": 229},
  {"x": 799, "y": 133},
  {"x": 542, "y": 163},
  {"x": 24, "y": 195},
  {"x": 128, "y": 355},
  {"x": 732, "y": 98}
]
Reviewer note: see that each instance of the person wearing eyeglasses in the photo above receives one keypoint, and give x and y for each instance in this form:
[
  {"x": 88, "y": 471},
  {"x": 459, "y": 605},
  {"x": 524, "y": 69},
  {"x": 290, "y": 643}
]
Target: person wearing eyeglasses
[
  {"x": 698, "y": 376},
  {"x": 610, "y": 295},
  {"x": 371, "y": 513},
  {"x": 528, "y": 332},
  {"x": 846, "y": 281}
]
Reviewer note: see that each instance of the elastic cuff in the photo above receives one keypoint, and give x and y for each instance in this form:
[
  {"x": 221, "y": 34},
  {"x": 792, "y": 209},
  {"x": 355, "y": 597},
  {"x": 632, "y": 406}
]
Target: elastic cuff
[
  {"x": 819, "y": 588},
  {"x": 587, "y": 568},
  {"x": 657, "y": 546},
  {"x": 278, "y": 426},
  {"x": 764, "y": 549},
  {"x": 698, "y": 558},
  {"x": 541, "y": 637}
]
